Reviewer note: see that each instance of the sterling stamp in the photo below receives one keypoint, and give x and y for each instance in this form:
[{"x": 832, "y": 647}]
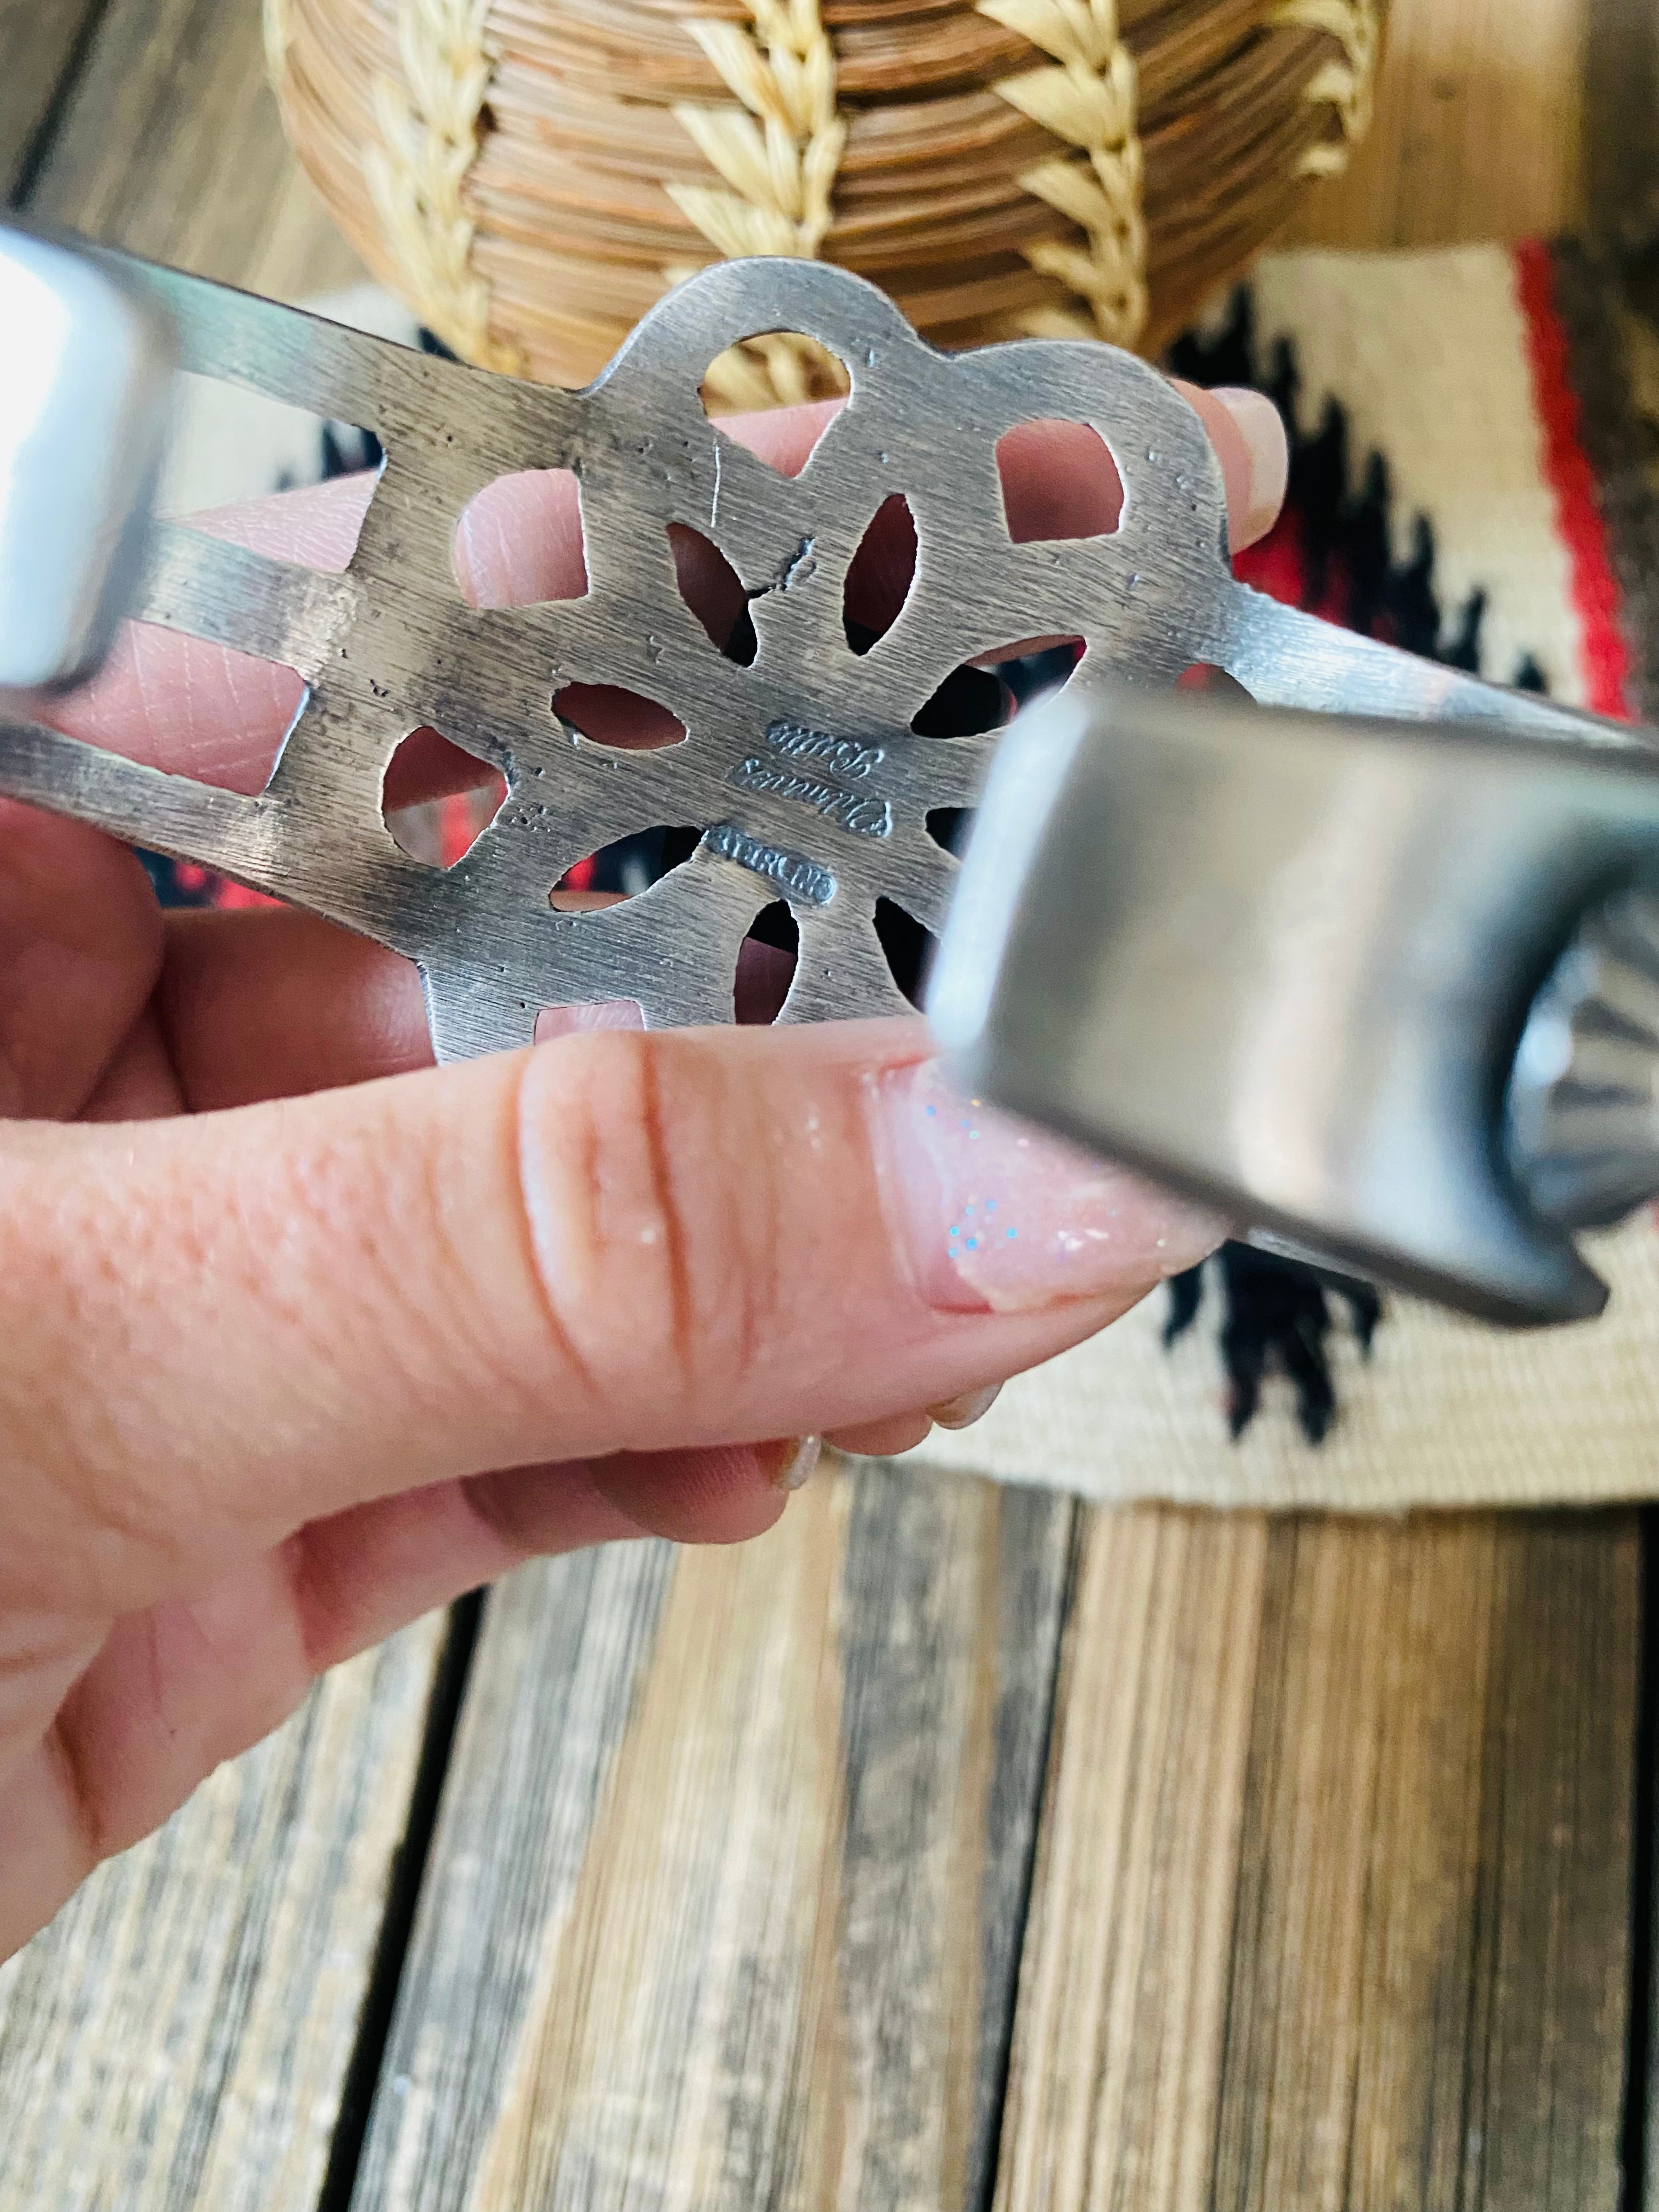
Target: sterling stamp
[{"x": 792, "y": 873}]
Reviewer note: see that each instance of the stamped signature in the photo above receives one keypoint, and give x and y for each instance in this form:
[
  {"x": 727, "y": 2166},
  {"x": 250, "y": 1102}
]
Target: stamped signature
[
  {"x": 861, "y": 813},
  {"x": 804, "y": 879}
]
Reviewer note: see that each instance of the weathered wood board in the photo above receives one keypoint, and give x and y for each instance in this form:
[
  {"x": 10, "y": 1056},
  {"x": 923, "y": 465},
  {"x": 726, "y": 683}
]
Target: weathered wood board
[
  {"x": 40, "y": 46},
  {"x": 169, "y": 144},
  {"x": 179, "y": 2036},
  {"x": 724, "y": 1903},
  {"x": 1332, "y": 1905}
]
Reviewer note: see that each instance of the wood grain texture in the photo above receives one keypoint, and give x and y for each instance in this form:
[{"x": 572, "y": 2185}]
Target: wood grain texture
[
  {"x": 1117, "y": 2059},
  {"x": 1622, "y": 102},
  {"x": 1333, "y": 1888},
  {"x": 724, "y": 1904},
  {"x": 1480, "y": 130},
  {"x": 170, "y": 145},
  {"x": 179, "y": 2036},
  {"x": 39, "y": 47}
]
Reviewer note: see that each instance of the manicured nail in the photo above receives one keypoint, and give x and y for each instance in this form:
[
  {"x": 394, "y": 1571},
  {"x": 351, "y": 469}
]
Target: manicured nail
[
  {"x": 962, "y": 1412},
  {"x": 1263, "y": 431},
  {"x": 576, "y": 1021},
  {"x": 997, "y": 1215},
  {"x": 799, "y": 1463}
]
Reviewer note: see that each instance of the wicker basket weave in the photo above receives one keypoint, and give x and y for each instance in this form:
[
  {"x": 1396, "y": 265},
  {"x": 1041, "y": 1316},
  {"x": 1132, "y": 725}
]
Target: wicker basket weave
[{"x": 531, "y": 174}]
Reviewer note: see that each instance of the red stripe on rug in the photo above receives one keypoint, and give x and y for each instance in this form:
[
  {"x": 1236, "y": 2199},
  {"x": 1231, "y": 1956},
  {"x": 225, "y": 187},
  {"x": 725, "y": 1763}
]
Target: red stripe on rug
[{"x": 1604, "y": 657}]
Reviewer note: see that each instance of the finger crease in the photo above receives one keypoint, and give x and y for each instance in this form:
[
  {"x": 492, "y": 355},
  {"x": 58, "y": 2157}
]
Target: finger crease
[
  {"x": 77, "y": 1788},
  {"x": 165, "y": 1033},
  {"x": 676, "y": 1261},
  {"x": 309, "y": 1601},
  {"x": 519, "y": 1184},
  {"x": 488, "y": 1499}
]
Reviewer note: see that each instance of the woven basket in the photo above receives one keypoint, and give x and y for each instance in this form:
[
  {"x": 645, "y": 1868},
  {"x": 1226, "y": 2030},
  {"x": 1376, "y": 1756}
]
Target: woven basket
[{"x": 531, "y": 174}]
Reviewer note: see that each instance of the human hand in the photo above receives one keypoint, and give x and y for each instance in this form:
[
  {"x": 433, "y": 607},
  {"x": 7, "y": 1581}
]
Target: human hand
[{"x": 300, "y": 1337}]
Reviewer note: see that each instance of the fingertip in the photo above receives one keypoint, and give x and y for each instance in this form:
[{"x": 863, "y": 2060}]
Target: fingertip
[
  {"x": 967, "y": 1408},
  {"x": 885, "y": 1438},
  {"x": 1247, "y": 433},
  {"x": 718, "y": 1494},
  {"x": 539, "y": 1512},
  {"x": 792, "y": 1461}
]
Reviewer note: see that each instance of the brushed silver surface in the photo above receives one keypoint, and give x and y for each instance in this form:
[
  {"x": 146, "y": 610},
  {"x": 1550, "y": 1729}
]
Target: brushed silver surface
[
  {"x": 1282, "y": 963},
  {"x": 802, "y": 769}
]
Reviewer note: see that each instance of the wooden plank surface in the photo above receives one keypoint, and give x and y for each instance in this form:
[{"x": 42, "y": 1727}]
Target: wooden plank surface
[
  {"x": 40, "y": 43},
  {"x": 179, "y": 2037},
  {"x": 1621, "y": 106},
  {"x": 1332, "y": 1897},
  {"x": 170, "y": 145},
  {"x": 1480, "y": 130},
  {"x": 1116, "y": 2058},
  {"x": 724, "y": 1903}
]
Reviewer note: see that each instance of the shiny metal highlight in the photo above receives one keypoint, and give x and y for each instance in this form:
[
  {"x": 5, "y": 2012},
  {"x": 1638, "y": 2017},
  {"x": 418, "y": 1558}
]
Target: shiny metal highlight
[{"x": 1283, "y": 963}]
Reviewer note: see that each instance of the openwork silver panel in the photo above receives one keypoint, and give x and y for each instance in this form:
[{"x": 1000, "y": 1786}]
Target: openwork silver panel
[{"x": 801, "y": 771}]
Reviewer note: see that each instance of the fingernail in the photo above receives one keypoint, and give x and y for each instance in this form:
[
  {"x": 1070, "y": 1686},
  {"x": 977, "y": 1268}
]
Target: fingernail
[
  {"x": 799, "y": 1463},
  {"x": 997, "y": 1215},
  {"x": 962, "y": 1412},
  {"x": 1263, "y": 429},
  {"x": 577, "y": 1021}
]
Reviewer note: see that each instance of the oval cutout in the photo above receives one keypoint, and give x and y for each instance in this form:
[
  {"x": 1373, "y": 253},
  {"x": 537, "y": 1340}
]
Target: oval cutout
[
  {"x": 969, "y": 702},
  {"x": 1213, "y": 683},
  {"x": 437, "y": 800},
  {"x": 881, "y": 575},
  {"x": 610, "y": 714},
  {"x": 766, "y": 965},
  {"x": 623, "y": 869},
  {"x": 951, "y": 827},
  {"x": 522, "y": 541},
  {"x": 1059, "y": 481},
  {"x": 987, "y": 692},
  {"x": 1042, "y": 666},
  {"x": 910, "y": 949},
  {"x": 714, "y": 591}
]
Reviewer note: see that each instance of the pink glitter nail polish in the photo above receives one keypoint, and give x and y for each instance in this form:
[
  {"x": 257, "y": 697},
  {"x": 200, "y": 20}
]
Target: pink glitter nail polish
[{"x": 998, "y": 1215}]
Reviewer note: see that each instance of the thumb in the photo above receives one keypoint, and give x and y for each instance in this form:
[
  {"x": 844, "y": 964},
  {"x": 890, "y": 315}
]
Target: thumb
[{"x": 216, "y": 1331}]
